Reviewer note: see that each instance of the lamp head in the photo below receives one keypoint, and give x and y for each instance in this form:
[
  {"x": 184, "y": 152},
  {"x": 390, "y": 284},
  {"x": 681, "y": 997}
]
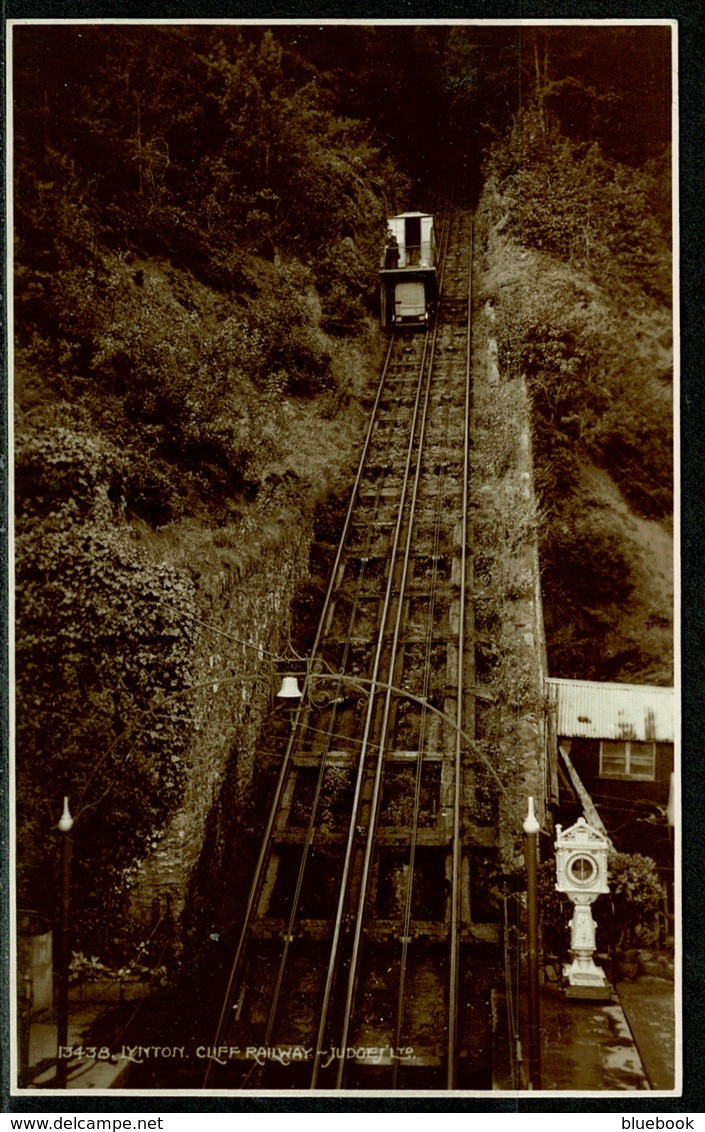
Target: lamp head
[
  {"x": 290, "y": 689},
  {"x": 65, "y": 821},
  {"x": 531, "y": 824}
]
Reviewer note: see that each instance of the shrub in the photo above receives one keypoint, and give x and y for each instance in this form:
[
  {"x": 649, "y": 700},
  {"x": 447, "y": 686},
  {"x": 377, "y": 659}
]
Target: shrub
[
  {"x": 636, "y": 895},
  {"x": 103, "y": 657},
  {"x": 342, "y": 312}
]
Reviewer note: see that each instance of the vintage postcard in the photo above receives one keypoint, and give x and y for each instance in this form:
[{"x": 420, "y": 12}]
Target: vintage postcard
[{"x": 346, "y": 726}]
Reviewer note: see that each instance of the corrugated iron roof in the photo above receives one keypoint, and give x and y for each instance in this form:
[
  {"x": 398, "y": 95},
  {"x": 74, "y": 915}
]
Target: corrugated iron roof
[{"x": 590, "y": 710}]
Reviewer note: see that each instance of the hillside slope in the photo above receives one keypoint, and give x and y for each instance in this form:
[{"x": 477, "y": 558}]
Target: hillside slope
[
  {"x": 639, "y": 645},
  {"x": 589, "y": 328}
]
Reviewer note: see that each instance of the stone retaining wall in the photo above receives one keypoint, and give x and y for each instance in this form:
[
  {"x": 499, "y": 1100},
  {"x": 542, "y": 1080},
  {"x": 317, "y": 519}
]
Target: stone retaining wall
[
  {"x": 235, "y": 684},
  {"x": 509, "y": 616}
]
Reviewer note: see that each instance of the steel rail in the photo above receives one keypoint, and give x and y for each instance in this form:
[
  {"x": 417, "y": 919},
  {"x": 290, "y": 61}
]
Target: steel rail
[
  {"x": 324, "y": 754},
  {"x": 323, "y": 764},
  {"x": 334, "y": 955},
  {"x": 328, "y": 734},
  {"x": 374, "y": 806},
  {"x": 371, "y": 809},
  {"x": 408, "y": 902},
  {"x": 284, "y": 769},
  {"x": 371, "y": 711},
  {"x": 367, "y": 686}
]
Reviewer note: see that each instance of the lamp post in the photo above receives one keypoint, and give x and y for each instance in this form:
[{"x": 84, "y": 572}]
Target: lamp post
[
  {"x": 65, "y": 825},
  {"x": 531, "y": 831},
  {"x": 25, "y": 1027}
]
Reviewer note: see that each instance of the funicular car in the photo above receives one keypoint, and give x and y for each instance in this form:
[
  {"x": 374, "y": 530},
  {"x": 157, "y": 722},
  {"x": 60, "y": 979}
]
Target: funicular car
[{"x": 408, "y": 279}]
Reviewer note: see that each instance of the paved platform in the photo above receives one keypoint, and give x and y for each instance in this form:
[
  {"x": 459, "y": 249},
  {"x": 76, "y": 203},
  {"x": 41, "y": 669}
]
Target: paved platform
[
  {"x": 587, "y": 1046},
  {"x": 648, "y": 1003},
  {"x": 86, "y": 1073}
]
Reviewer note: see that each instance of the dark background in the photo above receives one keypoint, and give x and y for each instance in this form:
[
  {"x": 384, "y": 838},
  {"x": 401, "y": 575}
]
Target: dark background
[{"x": 691, "y": 37}]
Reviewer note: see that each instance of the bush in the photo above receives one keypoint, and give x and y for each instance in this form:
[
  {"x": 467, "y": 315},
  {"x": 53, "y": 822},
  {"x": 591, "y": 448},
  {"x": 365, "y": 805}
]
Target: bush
[
  {"x": 570, "y": 202},
  {"x": 342, "y": 312},
  {"x": 587, "y": 581},
  {"x": 103, "y": 657},
  {"x": 636, "y": 895},
  {"x": 585, "y": 563}
]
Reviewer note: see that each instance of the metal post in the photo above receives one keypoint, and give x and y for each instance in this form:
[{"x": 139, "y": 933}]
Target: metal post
[
  {"x": 25, "y": 1028},
  {"x": 531, "y": 830},
  {"x": 62, "y": 1008}
]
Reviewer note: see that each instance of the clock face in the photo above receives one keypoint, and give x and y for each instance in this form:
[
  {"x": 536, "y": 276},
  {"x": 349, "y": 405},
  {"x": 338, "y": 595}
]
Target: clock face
[{"x": 582, "y": 870}]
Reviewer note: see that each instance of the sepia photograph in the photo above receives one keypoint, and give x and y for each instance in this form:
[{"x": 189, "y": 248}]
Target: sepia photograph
[{"x": 345, "y": 739}]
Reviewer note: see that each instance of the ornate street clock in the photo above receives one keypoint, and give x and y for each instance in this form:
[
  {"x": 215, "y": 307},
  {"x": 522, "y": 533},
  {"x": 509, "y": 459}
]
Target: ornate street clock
[{"x": 581, "y": 872}]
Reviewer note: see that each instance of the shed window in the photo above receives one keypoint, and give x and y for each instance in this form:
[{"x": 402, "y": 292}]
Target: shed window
[{"x": 628, "y": 759}]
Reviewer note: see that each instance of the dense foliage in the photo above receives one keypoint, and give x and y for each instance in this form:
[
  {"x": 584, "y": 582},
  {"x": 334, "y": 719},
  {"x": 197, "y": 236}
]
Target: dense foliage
[
  {"x": 636, "y": 895},
  {"x": 609, "y": 224},
  {"x": 104, "y": 657},
  {"x": 198, "y": 144},
  {"x": 581, "y": 266},
  {"x": 572, "y": 128},
  {"x": 606, "y": 85}
]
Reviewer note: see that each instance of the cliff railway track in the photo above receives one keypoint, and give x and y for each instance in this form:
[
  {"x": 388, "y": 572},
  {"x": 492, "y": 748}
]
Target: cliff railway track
[{"x": 369, "y": 941}]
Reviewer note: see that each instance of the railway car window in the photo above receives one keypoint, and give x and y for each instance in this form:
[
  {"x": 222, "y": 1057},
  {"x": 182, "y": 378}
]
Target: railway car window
[
  {"x": 413, "y": 240},
  {"x": 410, "y": 300}
]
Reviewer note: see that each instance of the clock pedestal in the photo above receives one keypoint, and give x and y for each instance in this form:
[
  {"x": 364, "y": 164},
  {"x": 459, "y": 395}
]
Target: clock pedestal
[{"x": 583, "y": 972}]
